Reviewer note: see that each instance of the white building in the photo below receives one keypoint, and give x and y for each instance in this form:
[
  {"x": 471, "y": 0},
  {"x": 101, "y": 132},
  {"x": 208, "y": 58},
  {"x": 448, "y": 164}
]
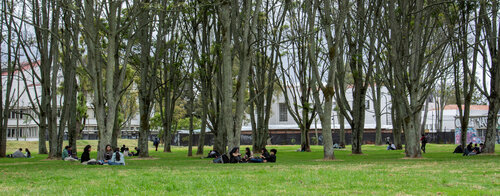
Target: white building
[{"x": 21, "y": 125}]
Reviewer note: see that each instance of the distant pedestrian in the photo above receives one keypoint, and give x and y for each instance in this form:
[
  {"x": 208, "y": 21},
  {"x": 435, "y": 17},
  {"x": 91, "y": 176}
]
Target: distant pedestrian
[
  {"x": 156, "y": 142},
  {"x": 423, "y": 139}
]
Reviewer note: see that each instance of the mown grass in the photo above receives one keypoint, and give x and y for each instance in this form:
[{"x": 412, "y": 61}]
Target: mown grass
[{"x": 377, "y": 172}]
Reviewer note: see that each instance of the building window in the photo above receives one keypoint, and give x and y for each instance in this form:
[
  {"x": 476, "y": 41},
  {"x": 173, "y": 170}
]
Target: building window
[
  {"x": 283, "y": 112},
  {"x": 367, "y": 104}
]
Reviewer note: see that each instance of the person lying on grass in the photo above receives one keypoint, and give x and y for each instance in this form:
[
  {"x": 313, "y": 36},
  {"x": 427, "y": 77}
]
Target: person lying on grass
[
  {"x": 66, "y": 154},
  {"x": 117, "y": 158},
  {"x": 17, "y": 154}
]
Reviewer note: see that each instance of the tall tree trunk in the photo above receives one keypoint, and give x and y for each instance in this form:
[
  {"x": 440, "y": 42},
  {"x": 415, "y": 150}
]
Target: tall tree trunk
[
  {"x": 227, "y": 82},
  {"x": 341, "y": 120},
  {"x": 204, "y": 101},
  {"x": 492, "y": 32},
  {"x": 376, "y": 94},
  {"x": 424, "y": 118},
  {"x": 396, "y": 126},
  {"x": 491, "y": 127}
]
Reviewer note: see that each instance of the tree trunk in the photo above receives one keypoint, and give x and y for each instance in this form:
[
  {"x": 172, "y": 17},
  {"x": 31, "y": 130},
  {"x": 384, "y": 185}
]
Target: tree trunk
[
  {"x": 376, "y": 94},
  {"x": 396, "y": 126},
  {"x": 424, "y": 119},
  {"x": 491, "y": 127},
  {"x": 204, "y": 100},
  {"x": 412, "y": 133},
  {"x": 341, "y": 120}
]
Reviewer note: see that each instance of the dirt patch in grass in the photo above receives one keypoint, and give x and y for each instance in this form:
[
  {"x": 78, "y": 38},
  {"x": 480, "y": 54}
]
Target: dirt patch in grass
[
  {"x": 324, "y": 160},
  {"x": 409, "y": 158},
  {"x": 143, "y": 158}
]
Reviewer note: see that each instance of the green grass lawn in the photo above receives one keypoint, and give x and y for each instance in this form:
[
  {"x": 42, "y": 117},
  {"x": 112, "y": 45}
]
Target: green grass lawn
[{"x": 377, "y": 172}]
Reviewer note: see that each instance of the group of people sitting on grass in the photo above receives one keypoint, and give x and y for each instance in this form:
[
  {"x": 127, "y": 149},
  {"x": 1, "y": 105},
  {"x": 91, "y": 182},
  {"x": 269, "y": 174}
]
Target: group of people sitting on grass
[
  {"x": 236, "y": 157},
  {"x": 127, "y": 152},
  {"x": 111, "y": 157},
  {"x": 470, "y": 150},
  {"x": 19, "y": 154}
]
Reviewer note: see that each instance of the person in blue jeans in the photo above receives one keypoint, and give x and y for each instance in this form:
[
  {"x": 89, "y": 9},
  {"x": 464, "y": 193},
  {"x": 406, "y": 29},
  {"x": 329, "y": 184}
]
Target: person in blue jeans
[
  {"x": 265, "y": 155},
  {"x": 118, "y": 158}
]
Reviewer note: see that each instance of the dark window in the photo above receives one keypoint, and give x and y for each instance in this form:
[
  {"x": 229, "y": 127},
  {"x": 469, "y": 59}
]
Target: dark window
[{"x": 283, "y": 112}]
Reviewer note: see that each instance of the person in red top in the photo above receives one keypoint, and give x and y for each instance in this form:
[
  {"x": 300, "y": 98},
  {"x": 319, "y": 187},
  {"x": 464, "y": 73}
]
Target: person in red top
[{"x": 423, "y": 139}]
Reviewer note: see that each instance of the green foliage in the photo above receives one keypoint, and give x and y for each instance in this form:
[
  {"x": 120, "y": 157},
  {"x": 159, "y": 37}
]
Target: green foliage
[{"x": 183, "y": 123}]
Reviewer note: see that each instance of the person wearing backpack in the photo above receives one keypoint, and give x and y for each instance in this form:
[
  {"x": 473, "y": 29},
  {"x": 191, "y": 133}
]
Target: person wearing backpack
[
  {"x": 117, "y": 158},
  {"x": 423, "y": 139}
]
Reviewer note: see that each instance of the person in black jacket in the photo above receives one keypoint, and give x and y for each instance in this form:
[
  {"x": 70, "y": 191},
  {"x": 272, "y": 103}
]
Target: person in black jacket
[
  {"x": 86, "y": 154},
  {"x": 272, "y": 157},
  {"x": 137, "y": 152},
  {"x": 123, "y": 148},
  {"x": 458, "y": 149},
  {"x": 234, "y": 155}
]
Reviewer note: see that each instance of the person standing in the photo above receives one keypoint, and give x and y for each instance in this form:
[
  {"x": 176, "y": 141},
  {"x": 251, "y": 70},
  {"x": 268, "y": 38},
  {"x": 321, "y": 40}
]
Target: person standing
[
  {"x": 423, "y": 139},
  {"x": 156, "y": 142}
]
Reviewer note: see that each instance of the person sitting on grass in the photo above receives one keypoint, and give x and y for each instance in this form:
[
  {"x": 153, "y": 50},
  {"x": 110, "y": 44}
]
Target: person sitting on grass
[
  {"x": 474, "y": 152},
  {"x": 66, "y": 154},
  {"x": 85, "y": 158},
  {"x": 17, "y": 154},
  {"x": 137, "y": 152},
  {"x": 481, "y": 147},
  {"x": 265, "y": 155},
  {"x": 28, "y": 153},
  {"x": 468, "y": 149},
  {"x": 458, "y": 149},
  {"x": 71, "y": 154},
  {"x": 127, "y": 153},
  {"x": 117, "y": 158},
  {"x": 477, "y": 149},
  {"x": 123, "y": 148},
  {"x": 272, "y": 157},
  {"x": 391, "y": 146},
  {"x": 108, "y": 154},
  {"x": 248, "y": 154},
  {"x": 234, "y": 155}
]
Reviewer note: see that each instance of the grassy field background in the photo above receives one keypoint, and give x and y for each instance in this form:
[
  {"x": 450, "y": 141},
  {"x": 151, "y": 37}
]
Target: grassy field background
[{"x": 377, "y": 172}]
